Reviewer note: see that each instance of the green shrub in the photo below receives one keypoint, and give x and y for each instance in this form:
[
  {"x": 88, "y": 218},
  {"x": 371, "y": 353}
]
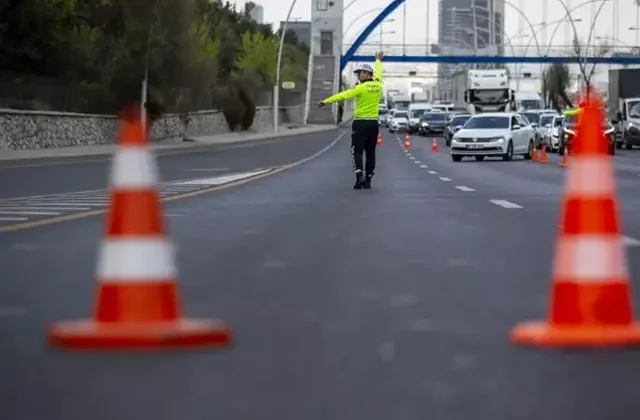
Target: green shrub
[
  {"x": 233, "y": 110},
  {"x": 249, "y": 108}
]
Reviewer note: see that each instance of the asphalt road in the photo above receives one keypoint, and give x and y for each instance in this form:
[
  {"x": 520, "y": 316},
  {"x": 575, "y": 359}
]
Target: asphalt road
[
  {"x": 53, "y": 176},
  {"x": 393, "y": 303}
]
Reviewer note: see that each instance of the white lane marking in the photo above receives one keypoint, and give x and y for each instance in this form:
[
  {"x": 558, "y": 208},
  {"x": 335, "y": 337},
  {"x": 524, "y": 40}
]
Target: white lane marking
[
  {"x": 79, "y": 203},
  {"x": 220, "y": 180},
  {"x": 424, "y": 166},
  {"x": 506, "y": 204},
  {"x": 432, "y": 172},
  {"x": 630, "y": 242},
  {"x": 32, "y": 207},
  {"x": 444, "y": 178},
  {"x": 412, "y": 158},
  {"x": 417, "y": 162},
  {"x": 465, "y": 189},
  {"x": 207, "y": 169},
  {"x": 31, "y": 213},
  {"x": 13, "y": 219}
]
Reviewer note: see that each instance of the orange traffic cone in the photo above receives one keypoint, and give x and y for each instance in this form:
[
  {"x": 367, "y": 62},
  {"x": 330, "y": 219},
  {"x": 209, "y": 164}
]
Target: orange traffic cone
[
  {"x": 434, "y": 145},
  {"x": 137, "y": 302},
  {"x": 543, "y": 154},
  {"x": 565, "y": 157},
  {"x": 591, "y": 297},
  {"x": 534, "y": 153},
  {"x": 379, "y": 139},
  {"x": 407, "y": 142}
]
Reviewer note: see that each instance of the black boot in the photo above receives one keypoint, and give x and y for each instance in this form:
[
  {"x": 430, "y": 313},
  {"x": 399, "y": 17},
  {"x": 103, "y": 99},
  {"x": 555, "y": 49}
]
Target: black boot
[
  {"x": 359, "y": 181},
  {"x": 367, "y": 182}
]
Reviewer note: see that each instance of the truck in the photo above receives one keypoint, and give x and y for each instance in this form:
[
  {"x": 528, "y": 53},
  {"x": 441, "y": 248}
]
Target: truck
[
  {"x": 624, "y": 106},
  {"x": 528, "y": 100},
  {"x": 399, "y": 101},
  {"x": 480, "y": 91}
]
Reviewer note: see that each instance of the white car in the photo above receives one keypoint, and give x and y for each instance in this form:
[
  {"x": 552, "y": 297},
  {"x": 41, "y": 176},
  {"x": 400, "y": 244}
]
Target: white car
[
  {"x": 399, "y": 121},
  {"x": 503, "y": 134},
  {"x": 553, "y": 133},
  {"x": 544, "y": 130}
]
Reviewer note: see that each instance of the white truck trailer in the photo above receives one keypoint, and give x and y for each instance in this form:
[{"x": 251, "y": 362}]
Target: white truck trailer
[{"x": 483, "y": 91}]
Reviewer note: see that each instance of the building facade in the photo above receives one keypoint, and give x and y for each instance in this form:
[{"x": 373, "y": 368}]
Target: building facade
[
  {"x": 255, "y": 11},
  {"x": 301, "y": 29},
  {"x": 468, "y": 27}
]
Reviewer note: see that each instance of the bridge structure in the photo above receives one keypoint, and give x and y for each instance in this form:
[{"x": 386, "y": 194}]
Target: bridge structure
[{"x": 351, "y": 54}]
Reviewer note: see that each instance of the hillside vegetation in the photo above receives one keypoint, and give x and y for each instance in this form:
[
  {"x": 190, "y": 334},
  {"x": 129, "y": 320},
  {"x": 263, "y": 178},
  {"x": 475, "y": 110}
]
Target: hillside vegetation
[{"x": 91, "y": 54}]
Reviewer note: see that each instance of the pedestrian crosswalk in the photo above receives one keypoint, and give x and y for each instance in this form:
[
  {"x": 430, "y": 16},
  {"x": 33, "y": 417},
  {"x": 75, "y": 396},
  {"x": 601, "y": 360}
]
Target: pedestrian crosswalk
[{"x": 26, "y": 209}]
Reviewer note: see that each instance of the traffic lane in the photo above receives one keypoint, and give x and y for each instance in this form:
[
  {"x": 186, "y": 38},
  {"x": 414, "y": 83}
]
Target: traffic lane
[
  {"x": 63, "y": 177},
  {"x": 535, "y": 188},
  {"x": 379, "y": 304},
  {"x": 516, "y": 177}
]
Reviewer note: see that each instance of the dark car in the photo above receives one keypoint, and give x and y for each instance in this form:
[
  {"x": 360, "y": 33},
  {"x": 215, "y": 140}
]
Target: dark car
[
  {"x": 453, "y": 124},
  {"x": 432, "y": 123},
  {"x": 568, "y": 133}
]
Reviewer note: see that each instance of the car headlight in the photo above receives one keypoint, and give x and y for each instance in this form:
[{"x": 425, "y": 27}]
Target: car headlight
[
  {"x": 497, "y": 139},
  {"x": 424, "y": 124}
]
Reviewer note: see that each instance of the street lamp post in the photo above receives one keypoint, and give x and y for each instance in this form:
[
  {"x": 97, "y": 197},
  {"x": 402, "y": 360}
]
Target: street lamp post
[{"x": 276, "y": 88}]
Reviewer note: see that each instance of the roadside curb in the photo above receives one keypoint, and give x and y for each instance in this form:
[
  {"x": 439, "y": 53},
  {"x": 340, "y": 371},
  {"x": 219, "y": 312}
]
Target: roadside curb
[{"x": 187, "y": 146}]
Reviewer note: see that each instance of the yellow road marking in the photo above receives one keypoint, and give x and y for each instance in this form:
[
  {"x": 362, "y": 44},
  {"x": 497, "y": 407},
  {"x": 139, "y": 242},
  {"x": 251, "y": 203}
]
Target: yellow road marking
[{"x": 90, "y": 213}]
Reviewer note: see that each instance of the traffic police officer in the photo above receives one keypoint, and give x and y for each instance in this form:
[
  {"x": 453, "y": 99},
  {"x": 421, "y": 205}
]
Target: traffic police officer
[{"x": 365, "y": 127}]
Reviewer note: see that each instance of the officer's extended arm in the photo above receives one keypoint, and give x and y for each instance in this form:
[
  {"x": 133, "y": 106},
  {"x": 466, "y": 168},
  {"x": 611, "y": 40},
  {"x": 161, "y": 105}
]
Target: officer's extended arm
[
  {"x": 377, "y": 70},
  {"x": 345, "y": 95}
]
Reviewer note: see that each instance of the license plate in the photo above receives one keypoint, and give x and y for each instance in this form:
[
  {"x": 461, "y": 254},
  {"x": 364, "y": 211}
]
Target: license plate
[{"x": 475, "y": 146}]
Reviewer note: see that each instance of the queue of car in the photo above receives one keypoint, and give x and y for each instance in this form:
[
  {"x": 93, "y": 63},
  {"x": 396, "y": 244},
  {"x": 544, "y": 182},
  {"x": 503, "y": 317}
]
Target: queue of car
[{"x": 491, "y": 134}]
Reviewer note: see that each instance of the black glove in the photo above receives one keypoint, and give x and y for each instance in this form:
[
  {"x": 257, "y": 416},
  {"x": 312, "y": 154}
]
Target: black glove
[{"x": 321, "y": 104}]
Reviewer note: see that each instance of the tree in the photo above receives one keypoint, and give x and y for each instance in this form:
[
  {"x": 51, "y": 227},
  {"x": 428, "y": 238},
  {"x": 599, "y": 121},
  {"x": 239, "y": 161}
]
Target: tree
[
  {"x": 556, "y": 79},
  {"x": 259, "y": 54},
  {"x": 581, "y": 51}
]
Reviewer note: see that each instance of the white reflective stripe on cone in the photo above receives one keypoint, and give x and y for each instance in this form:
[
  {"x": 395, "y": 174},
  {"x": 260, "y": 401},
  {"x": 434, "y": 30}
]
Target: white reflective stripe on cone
[
  {"x": 134, "y": 167},
  {"x": 136, "y": 260},
  {"x": 590, "y": 177},
  {"x": 591, "y": 259}
]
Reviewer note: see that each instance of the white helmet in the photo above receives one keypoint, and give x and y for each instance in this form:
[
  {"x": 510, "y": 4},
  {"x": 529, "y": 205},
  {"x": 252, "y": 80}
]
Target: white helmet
[{"x": 364, "y": 67}]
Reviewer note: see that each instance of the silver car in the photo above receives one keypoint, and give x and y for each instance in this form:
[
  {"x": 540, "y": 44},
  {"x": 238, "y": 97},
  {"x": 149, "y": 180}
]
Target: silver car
[{"x": 544, "y": 131}]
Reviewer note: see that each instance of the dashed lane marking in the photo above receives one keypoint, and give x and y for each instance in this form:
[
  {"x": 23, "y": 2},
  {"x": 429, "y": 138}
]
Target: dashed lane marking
[
  {"x": 42, "y": 208},
  {"x": 432, "y": 172},
  {"x": 465, "y": 189},
  {"x": 630, "y": 242},
  {"x": 99, "y": 199},
  {"x": 444, "y": 178},
  {"x": 424, "y": 166},
  {"x": 506, "y": 204},
  {"x": 417, "y": 162}
]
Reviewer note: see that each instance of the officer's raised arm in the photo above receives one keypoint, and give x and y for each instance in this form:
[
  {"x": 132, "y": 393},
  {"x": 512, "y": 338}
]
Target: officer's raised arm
[{"x": 377, "y": 67}]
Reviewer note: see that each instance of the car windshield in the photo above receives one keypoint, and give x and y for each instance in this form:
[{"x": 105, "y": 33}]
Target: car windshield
[
  {"x": 434, "y": 116},
  {"x": 533, "y": 117},
  {"x": 571, "y": 119},
  {"x": 487, "y": 122},
  {"x": 460, "y": 120},
  {"x": 400, "y": 114},
  {"x": 545, "y": 119},
  {"x": 417, "y": 113}
]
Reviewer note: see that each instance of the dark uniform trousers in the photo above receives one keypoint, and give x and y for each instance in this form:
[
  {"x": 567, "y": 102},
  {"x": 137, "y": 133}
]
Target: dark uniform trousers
[{"x": 364, "y": 139}]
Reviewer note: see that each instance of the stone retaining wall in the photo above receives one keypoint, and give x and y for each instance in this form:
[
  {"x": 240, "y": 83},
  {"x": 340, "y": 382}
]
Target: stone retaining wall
[{"x": 39, "y": 130}]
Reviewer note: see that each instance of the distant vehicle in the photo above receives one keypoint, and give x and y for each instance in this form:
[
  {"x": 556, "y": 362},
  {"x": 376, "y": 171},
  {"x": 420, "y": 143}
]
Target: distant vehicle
[
  {"x": 483, "y": 91},
  {"x": 494, "y": 135},
  {"x": 442, "y": 107},
  {"x": 545, "y": 131},
  {"x": 399, "y": 101},
  {"x": 399, "y": 121},
  {"x": 383, "y": 113},
  {"x": 525, "y": 101},
  {"x": 568, "y": 134},
  {"x": 432, "y": 122},
  {"x": 453, "y": 125},
  {"x": 624, "y": 106},
  {"x": 534, "y": 118},
  {"x": 416, "y": 111}
]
